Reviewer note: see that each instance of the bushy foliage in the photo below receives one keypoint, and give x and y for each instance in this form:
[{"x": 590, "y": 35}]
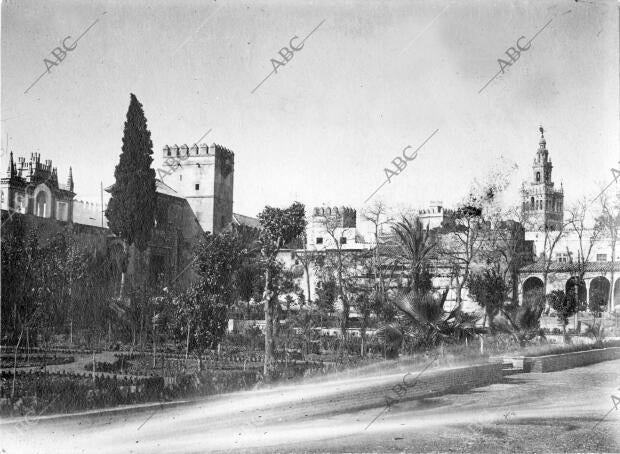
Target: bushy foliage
[
  {"x": 489, "y": 290},
  {"x": 429, "y": 323},
  {"x": 52, "y": 286},
  {"x": 564, "y": 305}
]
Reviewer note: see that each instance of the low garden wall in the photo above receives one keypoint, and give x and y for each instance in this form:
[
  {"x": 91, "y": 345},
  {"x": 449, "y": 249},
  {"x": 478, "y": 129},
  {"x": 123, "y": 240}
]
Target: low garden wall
[
  {"x": 550, "y": 363},
  {"x": 352, "y": 395}
]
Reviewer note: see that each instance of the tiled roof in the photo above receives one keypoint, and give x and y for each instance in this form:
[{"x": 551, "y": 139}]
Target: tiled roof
[
  {"x": 163, "y": 188},
  {"x": 160, "y": 187},
  {"x": 558, "y": 267},
  {"x": 249, "y": 221}
]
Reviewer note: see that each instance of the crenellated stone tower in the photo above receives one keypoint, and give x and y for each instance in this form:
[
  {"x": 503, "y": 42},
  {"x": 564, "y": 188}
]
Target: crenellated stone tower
[
  {"x": 203, "y": 174},
  {"x": 543, "y": 205},
  {"x": 341, "y": 221}
]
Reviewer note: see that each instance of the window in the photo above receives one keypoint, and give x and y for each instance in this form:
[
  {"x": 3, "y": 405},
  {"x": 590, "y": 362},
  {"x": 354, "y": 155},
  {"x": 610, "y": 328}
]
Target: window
[
  {"x": 537, "y": 177},
  {"x": 180, "y": 177},
  {"x": 343, "y": 240},
  {"x": 168, "y": 152},
  {"x": 601, "y": 257},
  {"x": 532, "y": 203},
  {"x": 41, "y": 205},
  {"x": 197, "y": 186},
  {"x": 562, "y": 257},
  {"x": 319, "y": 240},
  {"x": 62, "y": 213}
]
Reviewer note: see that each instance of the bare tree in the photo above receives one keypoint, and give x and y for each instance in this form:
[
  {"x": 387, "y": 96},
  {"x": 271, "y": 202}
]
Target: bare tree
[
  {"x": 378, "y": 217},
  {"x": 587, "y": 236},
  {"x": 333, "y": 226},
  {"x": 609, "y": 222}
]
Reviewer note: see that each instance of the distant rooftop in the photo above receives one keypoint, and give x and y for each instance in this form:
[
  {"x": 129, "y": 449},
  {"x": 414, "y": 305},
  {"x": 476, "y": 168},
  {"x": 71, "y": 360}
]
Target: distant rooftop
[{"x": 240, "y": 219}]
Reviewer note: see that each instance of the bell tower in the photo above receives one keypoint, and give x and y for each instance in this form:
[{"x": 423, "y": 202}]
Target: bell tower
[{"x": 543, "y": 205}]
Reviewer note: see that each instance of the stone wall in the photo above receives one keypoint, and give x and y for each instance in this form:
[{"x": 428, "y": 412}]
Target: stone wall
[
  {"x": 563, "y": 361},
  {"x": 377, "y": 392}
]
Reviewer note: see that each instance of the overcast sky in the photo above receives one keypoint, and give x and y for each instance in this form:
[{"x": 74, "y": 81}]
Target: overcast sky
[{"x": 372, "y": 79}]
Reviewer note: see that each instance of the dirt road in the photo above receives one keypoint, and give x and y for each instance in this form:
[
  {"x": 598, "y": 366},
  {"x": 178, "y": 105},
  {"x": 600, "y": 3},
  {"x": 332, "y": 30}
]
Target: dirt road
[{"x": 553, "y": 412}]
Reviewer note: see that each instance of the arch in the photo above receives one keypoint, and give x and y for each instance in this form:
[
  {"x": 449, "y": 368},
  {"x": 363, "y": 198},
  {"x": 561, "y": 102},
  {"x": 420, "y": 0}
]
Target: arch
[
  {"x": 42, "y": 201},
  {"x": 533, "y": 288},
  {"x": 599, "y": 293},
  {"x": 532, "y": 203},
  {"x": 574, "y": 286}
]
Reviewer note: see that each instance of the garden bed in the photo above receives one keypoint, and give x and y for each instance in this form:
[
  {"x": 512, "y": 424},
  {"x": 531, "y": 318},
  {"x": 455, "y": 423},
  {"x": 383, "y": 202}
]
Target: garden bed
[
  {"x": 7, "y": 360},
  {"x": 39, "y": 393}
]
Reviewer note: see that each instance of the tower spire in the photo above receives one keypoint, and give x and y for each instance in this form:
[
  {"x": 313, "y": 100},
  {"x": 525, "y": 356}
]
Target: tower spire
[
  {"x": 10, "y": 171},
  {"x": 70, "y": 179},
  {"x": 542, "y": 142}
]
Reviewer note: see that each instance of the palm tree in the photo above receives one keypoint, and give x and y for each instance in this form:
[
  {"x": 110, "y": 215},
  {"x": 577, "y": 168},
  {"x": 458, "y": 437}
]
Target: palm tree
[
  {"x": 427, "y": 322},
  {"x": 415, "y": 246}
]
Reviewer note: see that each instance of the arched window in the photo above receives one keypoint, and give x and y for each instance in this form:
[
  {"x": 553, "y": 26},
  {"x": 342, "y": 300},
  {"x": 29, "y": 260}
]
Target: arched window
[
  {"x": 532, "y": 203},
  {"x": 41, "y": 204},
  {"x": 537, "y": 177}
]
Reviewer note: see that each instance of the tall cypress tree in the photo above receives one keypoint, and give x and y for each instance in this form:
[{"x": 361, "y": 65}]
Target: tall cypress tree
[{"x": 131, "y": 210}]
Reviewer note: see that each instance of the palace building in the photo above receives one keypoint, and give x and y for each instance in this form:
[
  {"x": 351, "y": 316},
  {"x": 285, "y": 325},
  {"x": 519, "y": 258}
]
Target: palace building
[
  {"x": 197, "y": 197},
  {"x": 31, "y": 187}
]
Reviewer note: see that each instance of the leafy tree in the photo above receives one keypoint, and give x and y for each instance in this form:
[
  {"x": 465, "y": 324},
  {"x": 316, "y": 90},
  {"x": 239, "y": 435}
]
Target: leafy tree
[
  {"x": 203, "y": 319},
  {"x": 62, "y": 266},
  {"x": 279, "y": 227},
  {"x": 21, "y": 281},
  {"x": 565, "y": 306},
  {"x": 131, "y": 209},
  {"x": 201, "y": 311},
  {"x": 597, "y": 304},
  {"x": 489, "y": 290},
  {"x": 326, "y": 293}
]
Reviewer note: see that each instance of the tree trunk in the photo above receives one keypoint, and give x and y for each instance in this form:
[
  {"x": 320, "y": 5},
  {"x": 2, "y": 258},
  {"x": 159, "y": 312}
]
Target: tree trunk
[
  {"x": 187, "y": 343},
  {"x": 309, "y": 299},
  {"x": 268, "y": 365},
  {"x": 458, "y": 297},
  {"x": 124, "y": 265},
  {"x": 154, "y": 347},
  {"x": 15, "y": 362},
  {"x": 362, "y": 335},
  {"x": 610, "y": 303}
]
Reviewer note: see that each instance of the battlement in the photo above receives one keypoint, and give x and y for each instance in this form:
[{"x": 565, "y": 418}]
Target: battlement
[
  {"x": 434, "y": 208},
  {"x": 89, "y": 213},
  {"x": 347, "y": 215},
  {"x": 195, "y": 150}
]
